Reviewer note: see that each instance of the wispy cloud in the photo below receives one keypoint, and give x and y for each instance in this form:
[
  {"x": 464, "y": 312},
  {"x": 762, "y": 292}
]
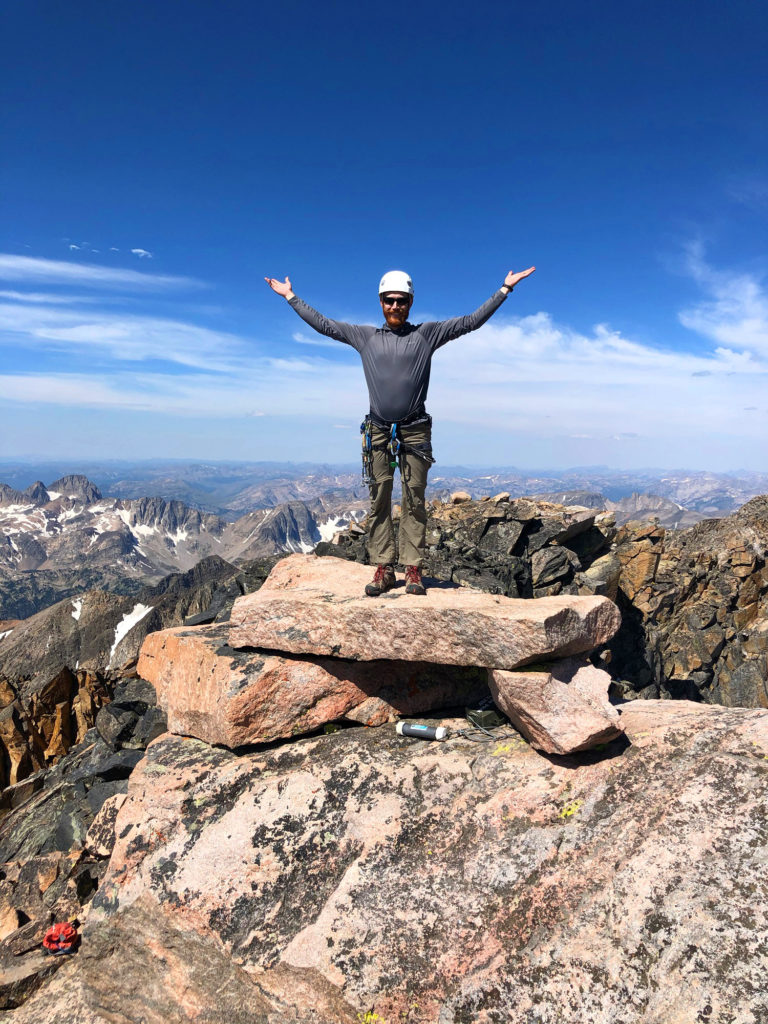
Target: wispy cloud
[
  {"x": 750, "y": 190},
  {"x": 508, "y": 375},
  {"x": 44, "y": 297},
  {"x": 527, "y": 377},
  {"x": 35, "y": 270},
  {"x": 735, "y": 310},
  {"x": 122, "y": 336},
  {"x": 318, "y": 342},
  {"x": 143, "y": 254}
]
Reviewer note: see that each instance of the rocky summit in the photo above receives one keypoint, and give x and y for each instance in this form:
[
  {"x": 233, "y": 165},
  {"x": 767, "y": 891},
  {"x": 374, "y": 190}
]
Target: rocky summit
[{"x": 282, "y": 856}]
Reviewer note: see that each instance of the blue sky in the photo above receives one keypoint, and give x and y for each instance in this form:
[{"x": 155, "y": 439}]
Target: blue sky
[{"x": 158, "y": 159}]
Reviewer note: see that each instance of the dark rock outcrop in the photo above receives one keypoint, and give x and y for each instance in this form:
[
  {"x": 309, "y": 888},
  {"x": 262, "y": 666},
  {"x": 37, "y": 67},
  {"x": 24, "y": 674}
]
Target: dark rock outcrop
[
  {"x": 694, "y": 602},
  {"x": 491, "y": 544},
  {"x": 57, "y": 829},
  {"x": 695, "y": 607}
]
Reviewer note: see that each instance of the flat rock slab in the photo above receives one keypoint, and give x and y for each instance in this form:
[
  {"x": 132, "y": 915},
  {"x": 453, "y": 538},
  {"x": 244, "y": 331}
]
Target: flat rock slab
[
  {"x": 311, "y": 605},
  {"x": 238, "y": 697},
  {"x": 560, "y": 710}
]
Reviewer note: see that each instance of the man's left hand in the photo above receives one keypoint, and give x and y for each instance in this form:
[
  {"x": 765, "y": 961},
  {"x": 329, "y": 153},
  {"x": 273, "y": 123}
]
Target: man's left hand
[{"x": 512, "y": 278}]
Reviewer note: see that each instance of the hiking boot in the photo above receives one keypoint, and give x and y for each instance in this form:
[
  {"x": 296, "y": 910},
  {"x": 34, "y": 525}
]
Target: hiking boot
[
  {"x": 413, "y": 581},
  {"x": 383, "y": 580}
]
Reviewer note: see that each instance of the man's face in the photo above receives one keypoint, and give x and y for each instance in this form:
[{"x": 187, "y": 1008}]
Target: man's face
[{"x": 396, "y": 306}]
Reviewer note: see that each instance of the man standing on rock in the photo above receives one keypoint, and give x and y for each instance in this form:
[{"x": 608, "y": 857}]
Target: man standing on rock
[{"x": 397, "y": 358}]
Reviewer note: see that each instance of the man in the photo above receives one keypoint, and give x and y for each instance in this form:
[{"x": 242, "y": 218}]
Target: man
[{"x": 396, "y": 360}]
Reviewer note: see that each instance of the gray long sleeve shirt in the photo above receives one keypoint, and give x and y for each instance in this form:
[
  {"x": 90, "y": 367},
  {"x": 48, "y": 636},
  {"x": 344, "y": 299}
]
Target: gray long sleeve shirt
[{"x": 397, "y": 363}]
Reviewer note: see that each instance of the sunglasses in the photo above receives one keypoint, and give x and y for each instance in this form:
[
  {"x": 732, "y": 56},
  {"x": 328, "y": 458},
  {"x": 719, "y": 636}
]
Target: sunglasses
[{"x": 395, "y": 301}]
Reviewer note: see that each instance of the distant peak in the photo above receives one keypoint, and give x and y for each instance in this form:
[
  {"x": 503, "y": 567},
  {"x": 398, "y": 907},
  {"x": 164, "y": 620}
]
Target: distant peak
[
  {"x": 38, "y": 492},
  {"x": 10, "y": 496},
  {"x": 76, "y": 486}
]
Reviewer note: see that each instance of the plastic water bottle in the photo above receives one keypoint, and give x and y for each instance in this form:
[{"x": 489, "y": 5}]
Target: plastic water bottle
[{"x": 421, "y": 732}]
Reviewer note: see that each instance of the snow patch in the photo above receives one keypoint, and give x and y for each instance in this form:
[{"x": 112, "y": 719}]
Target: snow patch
[
  {"x": 5, "y": 634},
  {"x": 53, "y": 495},
  {"x": 143, "y": 530},
  {"x": 70, "y": 513},
  {"x": 178, "y": 537},
  {"x": 304, "y": 548},
  {"x": 129, "y": 620},
  {"x": 77, "y": 607},
  {"x": 330, "y": 527}
]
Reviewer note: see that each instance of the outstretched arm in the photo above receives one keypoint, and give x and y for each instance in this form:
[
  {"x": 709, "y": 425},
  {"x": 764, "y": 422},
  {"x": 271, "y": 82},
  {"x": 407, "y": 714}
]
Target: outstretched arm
[
  {"x": 446, "y": 330},
  {"x": 350, "y": 334}
]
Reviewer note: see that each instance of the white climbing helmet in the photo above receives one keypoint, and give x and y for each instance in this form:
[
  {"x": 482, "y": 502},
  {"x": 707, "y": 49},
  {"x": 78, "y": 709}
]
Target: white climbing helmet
[{"x": 396, "y": 281}]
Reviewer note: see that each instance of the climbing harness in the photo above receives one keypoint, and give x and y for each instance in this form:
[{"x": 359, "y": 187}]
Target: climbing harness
[
  {"x": 398, "y": 450},
  {"x": 60, "y": 939}
]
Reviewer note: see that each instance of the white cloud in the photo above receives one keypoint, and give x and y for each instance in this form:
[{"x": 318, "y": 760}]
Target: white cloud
[
  {"x": 735, "y": 312},
  {"x": 74, "y": 248},
  {"x": 318, "y": 342},
  {"x": 532, "y": 376},
  {"x": 529, "y": 377},
  {"x": 29, "y": 268},
  {"x": 123, "y": 336},
  {"x": 35, "y": 297},
  {"x": 523, "y": 378},
  {"x": 143, "y": 254}
]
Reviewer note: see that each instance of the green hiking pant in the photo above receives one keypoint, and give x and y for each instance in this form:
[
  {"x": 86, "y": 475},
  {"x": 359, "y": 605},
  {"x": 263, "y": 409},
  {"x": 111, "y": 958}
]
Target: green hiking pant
[{"x": 413, "y": 511}]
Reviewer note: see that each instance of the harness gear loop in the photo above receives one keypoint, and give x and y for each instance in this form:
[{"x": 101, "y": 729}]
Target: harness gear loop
[
  {"x": 394, "y": 448},
  {"x": 366, "y": 430}
]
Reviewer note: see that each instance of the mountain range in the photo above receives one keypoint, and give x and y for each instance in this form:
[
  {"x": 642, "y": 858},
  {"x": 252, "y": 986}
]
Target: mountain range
[
  {"x": 229, "y": 489},
  {"x": 62, "y": 539}
]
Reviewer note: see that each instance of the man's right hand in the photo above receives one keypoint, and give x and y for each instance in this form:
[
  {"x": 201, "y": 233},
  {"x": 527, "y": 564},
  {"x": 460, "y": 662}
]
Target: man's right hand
[{"x": 281, "y": 287}]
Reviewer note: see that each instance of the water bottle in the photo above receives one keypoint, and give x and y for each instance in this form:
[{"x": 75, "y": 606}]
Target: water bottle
[{"x": 422, "y": 732}]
